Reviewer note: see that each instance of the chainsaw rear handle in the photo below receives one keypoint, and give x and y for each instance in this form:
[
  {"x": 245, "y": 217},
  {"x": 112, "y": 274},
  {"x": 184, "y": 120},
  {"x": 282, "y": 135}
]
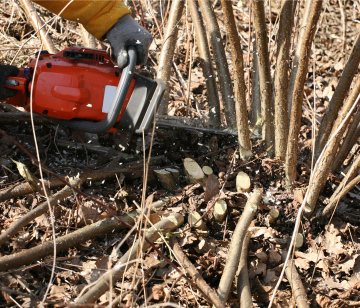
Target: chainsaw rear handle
[{"x": 116, "y": 105}]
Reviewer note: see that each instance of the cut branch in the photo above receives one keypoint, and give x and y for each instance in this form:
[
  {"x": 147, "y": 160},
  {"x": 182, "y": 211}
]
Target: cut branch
[
  {"x": 39, "y": 210},
  {"x": 107, "y": 280},
  {"x": 243, "y": 283},
  {"x": 65, "y": 242},
  {"x": 193, "y": 272},
  {"x": 297, "y": 287},
  {"x": 232, "y": 262}
]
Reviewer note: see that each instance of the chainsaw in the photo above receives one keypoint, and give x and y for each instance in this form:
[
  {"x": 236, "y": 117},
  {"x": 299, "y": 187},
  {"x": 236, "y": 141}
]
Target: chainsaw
[{"x": 81, "y": 88}]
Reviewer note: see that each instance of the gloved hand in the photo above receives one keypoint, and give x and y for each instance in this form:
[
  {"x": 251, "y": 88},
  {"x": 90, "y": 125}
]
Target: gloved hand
[
  {"x": 127, "y": 32},
  {"x": 6, "y": 71}
]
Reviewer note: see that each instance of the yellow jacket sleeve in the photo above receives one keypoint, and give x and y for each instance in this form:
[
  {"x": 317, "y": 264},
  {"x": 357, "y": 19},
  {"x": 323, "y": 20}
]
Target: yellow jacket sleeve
[{"x": 97, "y": 16}]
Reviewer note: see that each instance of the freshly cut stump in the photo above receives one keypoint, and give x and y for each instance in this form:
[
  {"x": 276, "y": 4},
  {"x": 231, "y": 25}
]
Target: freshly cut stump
[
  {"x": 167, "y": 179},
  {"x": 299, "y": 240},
  {"x": 273, "y": 214},
  {"x": 243, "y": 182},
  {"x": 194, "y": 221},
  {"x": 207, "y": 170},
  {"x": 194, "y": 172},
  {"x": 220, "y": 209}
]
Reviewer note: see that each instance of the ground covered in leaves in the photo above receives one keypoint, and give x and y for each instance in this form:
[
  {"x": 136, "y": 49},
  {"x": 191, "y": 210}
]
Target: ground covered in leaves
[{"x": 328, "y": 260}]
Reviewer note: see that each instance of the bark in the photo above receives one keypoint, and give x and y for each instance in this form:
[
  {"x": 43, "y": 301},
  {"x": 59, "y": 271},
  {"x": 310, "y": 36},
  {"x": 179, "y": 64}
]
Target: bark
[
  {"x": 167, "y": 53},
  {"x": 239, "y": 81},
  {"x": 215, "y": 39},
  {"x": 300, "y": 43},
  {"x": 37, "y": 23},
  {"x": 193, "y": 272},
  {"x": 255, "y": 86},
  {"x": 297, "y": 287},
  {"x": 243, "y": 282},
  {"x": 65, "y": 242},
  {"x": 107, "y": 280},
  {"x": 210, "y": 80},
  {"x": 281, "y": 79},
  {"x": 355, "y": 91},
  {"x": 334, "y": 200},
  {"x": 232, "y": 262},
  {"x": 351, "y": 137},
  {"x": 352, "y": 172},
  {"x": 326, "y": 160},
  {"x": 332, "y": 110},
  {"x": 267, "y": 104},
  {"x": 297, "y": 99}
]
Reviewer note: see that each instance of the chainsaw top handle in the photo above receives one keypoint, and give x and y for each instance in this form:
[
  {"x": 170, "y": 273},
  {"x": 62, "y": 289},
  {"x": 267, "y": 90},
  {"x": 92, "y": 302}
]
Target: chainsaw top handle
[{"x": 116, "y": 105}]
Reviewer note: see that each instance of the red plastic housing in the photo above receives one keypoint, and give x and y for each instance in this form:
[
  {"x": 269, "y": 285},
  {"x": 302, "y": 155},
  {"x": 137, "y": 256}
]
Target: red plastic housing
[{"x": 71, "y": 84}]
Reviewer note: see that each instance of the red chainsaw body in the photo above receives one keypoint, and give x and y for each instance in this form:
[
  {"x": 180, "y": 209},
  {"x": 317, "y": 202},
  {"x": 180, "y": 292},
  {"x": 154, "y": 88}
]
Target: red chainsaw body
[{"x": 74, "y": 83}]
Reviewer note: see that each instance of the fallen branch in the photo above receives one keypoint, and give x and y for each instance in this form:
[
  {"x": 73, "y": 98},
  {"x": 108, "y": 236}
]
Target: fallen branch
[
  {"x": 297, "y": 287},
  {"x": 39, "y": 210},
  {"x": 193, "y": 272},
  {"x": 232, "y": 263},
  {"x": 65, "y": 242},
  {"x": 107, "y": 280},
  {"x": 242, "y": 282}
]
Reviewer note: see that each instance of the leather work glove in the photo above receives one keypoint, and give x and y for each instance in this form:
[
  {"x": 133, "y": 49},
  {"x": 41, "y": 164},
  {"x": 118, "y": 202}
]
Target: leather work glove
[
  {"x": 6, "y": 71},
  {"x": 127, "y": 32}
]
